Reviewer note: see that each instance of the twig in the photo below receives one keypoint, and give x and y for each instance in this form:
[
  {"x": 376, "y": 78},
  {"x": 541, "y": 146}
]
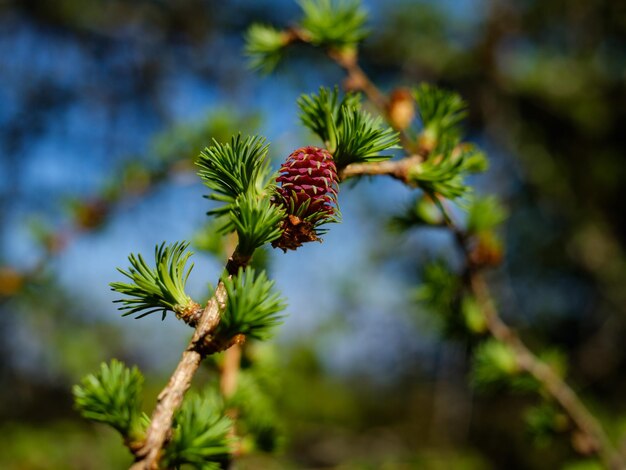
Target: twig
[
  {"x": 169, "y": 400},
  {"x": 230, "y": 371},
  {"x": 553, "y": 384},
  {"x": 398, "y": 169},
  {"x": 356, "y": 78}
]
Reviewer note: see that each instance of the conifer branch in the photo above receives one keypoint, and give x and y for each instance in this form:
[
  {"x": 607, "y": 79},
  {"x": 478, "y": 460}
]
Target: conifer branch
[
  {"x": 551, "y": 382},
  {"x": 170, "y": 399}
]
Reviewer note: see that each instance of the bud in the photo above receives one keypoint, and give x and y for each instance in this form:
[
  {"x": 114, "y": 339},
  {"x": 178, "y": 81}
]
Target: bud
[
  {"x": 401, "y": 109},
  {"x": 308, "y": 192}
]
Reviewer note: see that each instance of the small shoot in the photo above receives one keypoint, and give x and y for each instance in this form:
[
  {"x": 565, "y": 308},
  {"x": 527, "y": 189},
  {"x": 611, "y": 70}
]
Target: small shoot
[
  {"x": 113, "y": 396},
  {"x": 256, "y": 221},
  {"x": 494, "y": 363},
  {"x": 161, "y": 288},
  {"x": 336, "y": 24},
  {"x": 252, "y": 306},
  {"x": 200, "y": 435},
  {"x": 441, "y": 112},
  {"x": 350, "y": 134},
  {"x": 445, "y": 173},
  {"x": 265, "y": 47},
  {"x": 485, "y": 214},
  {"x": 234, "y": 168}
]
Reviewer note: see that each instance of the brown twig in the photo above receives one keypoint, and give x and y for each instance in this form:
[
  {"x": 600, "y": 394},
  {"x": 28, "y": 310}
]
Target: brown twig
[
  {"x": 560, "y": 391},
  {"x": 169, "y": 400},
  {"x": 595, "y": 436},
  {"x": 356, "y": 79},
  {"x": 398, "y": 169}
]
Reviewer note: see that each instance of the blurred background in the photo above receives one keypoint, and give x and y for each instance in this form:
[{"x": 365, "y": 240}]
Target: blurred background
[{"x": 104, "y": 105}]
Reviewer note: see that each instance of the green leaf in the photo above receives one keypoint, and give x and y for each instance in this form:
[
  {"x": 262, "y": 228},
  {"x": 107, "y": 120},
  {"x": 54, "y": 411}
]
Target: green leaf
[
  {"x": 234, "y": 168},
  {"x": 485, "y": 213},
  {"x": 256, "y": 221},
  {"x": 112, "y": 396},
  {"x": 257, "y": 411},
  {"x": 473, "y": 315},
  {"x": 200, "y": 435},
  {"x": 441, "y": 112},
  {"x": 321, "y": 113},
  {"x": 362, "y": 138},
  {"x": 252, "y": 306},
  {"x": 350, "y": 134},
  {"x": 544, "y": 421},
  {"x": 493, "y": 363},
  {"x": 334, "y": 23},
  {"x": 265, "y": 46},
  {"x": 440, "y": 287},
  {"x": 444, "y": 173},
  {"x": 161, "y": 288}
]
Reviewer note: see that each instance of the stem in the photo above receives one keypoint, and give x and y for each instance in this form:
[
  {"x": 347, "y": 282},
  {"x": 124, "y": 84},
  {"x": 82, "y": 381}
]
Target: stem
[
  {"x": 228, "y": 387},
  {"x": 398, "y": 169},
  {"x": 171, "y": 397},
  {"x": 230, "y": 371},
  {"x": 552, "y": 383},
  {"x": 356, "y": 78},
  {"x": 544, "y": 374}
]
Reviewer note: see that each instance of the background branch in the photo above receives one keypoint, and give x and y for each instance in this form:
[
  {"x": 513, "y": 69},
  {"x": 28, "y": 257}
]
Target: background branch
[{"x": 593, "y": 432}]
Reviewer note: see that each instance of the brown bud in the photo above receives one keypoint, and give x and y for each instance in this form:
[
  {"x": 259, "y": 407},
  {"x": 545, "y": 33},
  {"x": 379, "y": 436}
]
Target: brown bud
[
  {"x": 11, "y": 281},
  {"x": 401, "y": 108},
  {"x": 487, "y": 251}
]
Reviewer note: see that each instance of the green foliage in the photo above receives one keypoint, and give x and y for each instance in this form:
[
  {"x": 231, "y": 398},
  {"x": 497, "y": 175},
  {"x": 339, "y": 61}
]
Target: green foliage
[
  {"x": 200, "y": 436},
  {"x": 485, "y": 213},
  {"x": 556, "y": 360},
  {"x": 252, "y": 306},
  {"x": 448, "y": 161},
  {"x": 544, "y": 421},
  {"x": 156, "y": 289},
  {"x": 588, "y": 464},
  {"x": 362, "y": 138},
  {"x": 473, "y": 315},
  {"x": 234, "y": 168},
  {"x": 494, "y": 363},
  {"x": 265, "y": 46},
  {"x": 441, "y": 112},
  {"x": 334, "y": 23},
  {"x": 444, "y": 173},
  {"x": 112, "y": 396},
  {"x": 321, "y": 113},
  {"x": 256, "y": 220},
  {"x": 238, "y": 172},
  {"x": 440, "y": 288},
  {"x": 350, "y": 134},
  {"x": 257, "y": 412}
]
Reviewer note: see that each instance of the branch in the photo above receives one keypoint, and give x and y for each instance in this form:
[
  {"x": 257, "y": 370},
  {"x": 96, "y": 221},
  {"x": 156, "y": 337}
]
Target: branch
[
  {"x": 169, "y": 400},
  {"x": 544, "y": 374},
  {"x": 553, "y": 384},
  {"x": 356, "y": 80},
  {"x": 398, "y": 169}
]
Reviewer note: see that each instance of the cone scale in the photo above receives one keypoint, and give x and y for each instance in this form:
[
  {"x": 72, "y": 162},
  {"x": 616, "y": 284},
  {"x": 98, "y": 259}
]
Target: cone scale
[{"x": 307, "y": 190}]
